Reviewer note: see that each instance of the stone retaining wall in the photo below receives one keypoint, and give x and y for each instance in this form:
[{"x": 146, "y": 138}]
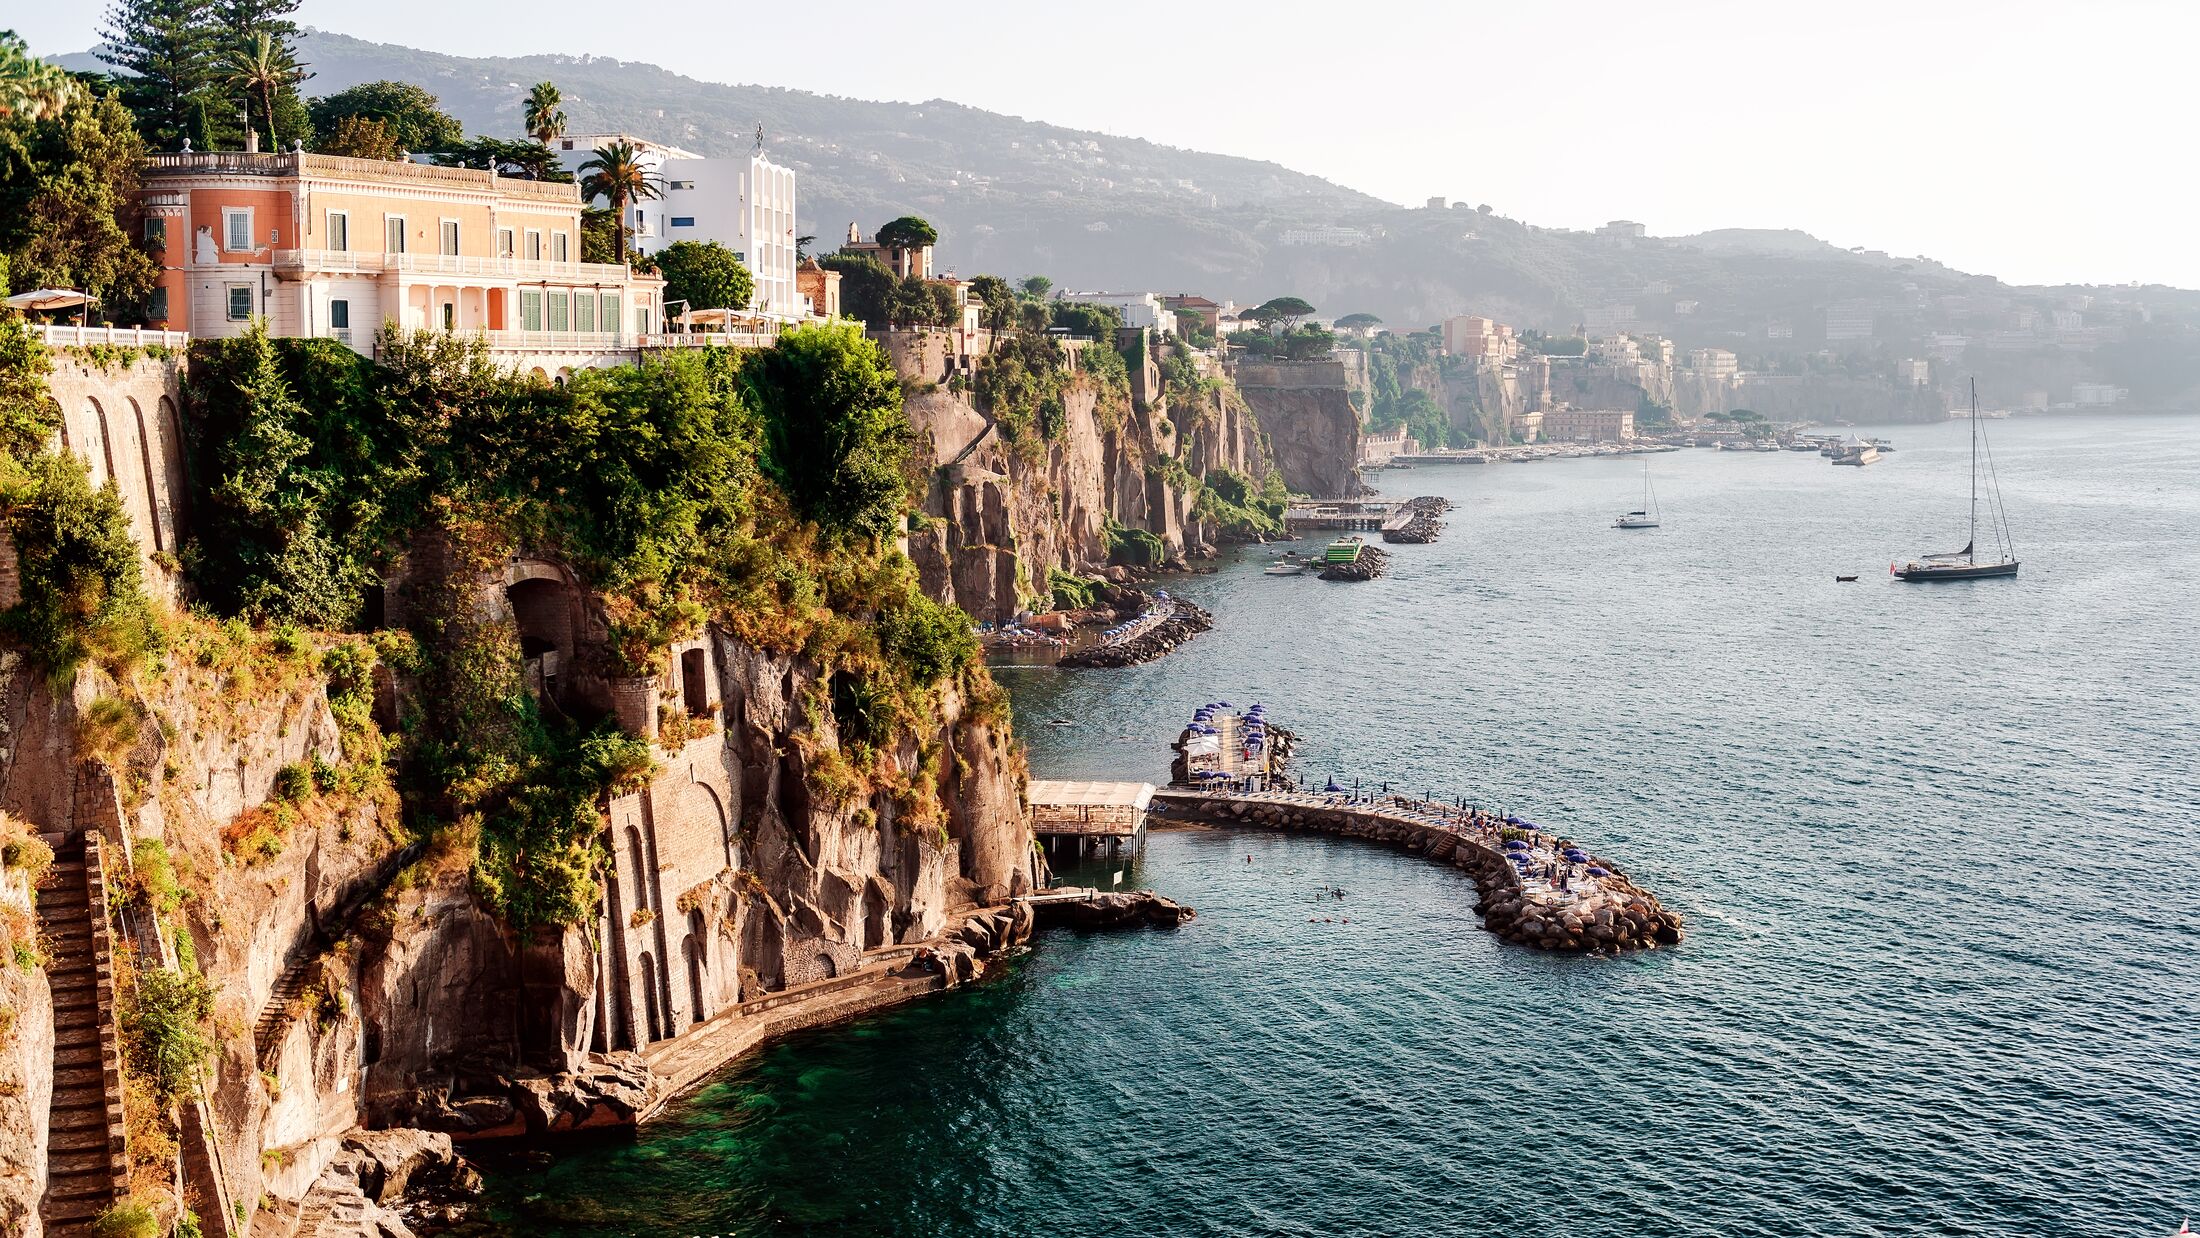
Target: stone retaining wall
[{"x": 1632, "y": 919}]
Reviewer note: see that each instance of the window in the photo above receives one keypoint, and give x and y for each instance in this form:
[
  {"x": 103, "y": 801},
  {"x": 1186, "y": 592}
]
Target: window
[
  {"x": 534, "y": 245},
  {"x": 393, "y": 234},
  {"x": 683, "y": 221},
  {"x": 557, "y": 247},
  {"x": 157, "y": 308},
  {"x": 240, "y": 302},
  {"x": 530, "y": 311},
  {"x": 611, "y": 311},
  {"x": 339, "y": 231},
  {"x": 450, "y": 237},
  {"x": 450, "y": 316},
  {"x": 681, "y": 185},
  {"x": 559, "y": 300},
  {"x": 156, "y": 233},
  {"x": 339, "y": 315},
  {"x": 641, "y": 320},
  {"x": 504, "y": 243},
  {"x": 584, "y": 311},
  {"x": 237, "y": 231},
  {"x": 567, "y": 144}
]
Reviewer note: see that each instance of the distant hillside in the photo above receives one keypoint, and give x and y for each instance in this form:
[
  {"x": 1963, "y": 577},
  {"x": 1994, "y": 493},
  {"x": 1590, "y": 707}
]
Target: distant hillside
[{"x": 1092, "y": 211}]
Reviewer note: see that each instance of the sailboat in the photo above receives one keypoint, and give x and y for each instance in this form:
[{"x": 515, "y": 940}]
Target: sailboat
[
  {"x": 1967, "y": 564},
  {"x": 1646, "y": 516}
]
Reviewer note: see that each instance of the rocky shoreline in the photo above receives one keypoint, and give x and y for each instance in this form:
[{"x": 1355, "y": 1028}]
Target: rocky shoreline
[
  {"x": 1184, "y": 621},
  {"x": 1111, "y": 911},
  {"x": 1425, "y": 523},
  {"x": 1627, "y": 918}
]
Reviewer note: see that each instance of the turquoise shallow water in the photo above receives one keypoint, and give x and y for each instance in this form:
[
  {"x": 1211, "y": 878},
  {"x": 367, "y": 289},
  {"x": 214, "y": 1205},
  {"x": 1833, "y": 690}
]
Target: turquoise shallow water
[{"x": 1936, "y": 845}]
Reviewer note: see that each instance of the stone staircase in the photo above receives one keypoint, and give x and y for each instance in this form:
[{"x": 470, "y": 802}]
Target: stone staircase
[
  {"x": 85, "y": 1165},
  {"x": 283, "y": 1000},
  {"x": 282, "y": 1004}
]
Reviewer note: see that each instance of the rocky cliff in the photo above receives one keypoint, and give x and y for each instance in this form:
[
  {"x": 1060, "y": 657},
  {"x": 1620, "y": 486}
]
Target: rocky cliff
[
  {"x": 1001, "y": 513},
  {"x": 490, "y": 851},
  {"x": 1305, "y": 409}
]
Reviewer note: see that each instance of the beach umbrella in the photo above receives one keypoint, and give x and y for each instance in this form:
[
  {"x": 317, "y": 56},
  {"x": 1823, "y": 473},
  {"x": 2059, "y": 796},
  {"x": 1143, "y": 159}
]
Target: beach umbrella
[
  {"x": 1595, "y": 871},
  {"x": 1516, "y": 845}
]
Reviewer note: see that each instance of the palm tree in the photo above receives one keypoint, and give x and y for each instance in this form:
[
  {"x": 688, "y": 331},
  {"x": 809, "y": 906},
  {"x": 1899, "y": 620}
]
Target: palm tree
[
  {"x": 617, "y": 174},
  {"x": 545, "y": 118},
  {"x": 29, "y": 87},
  {"x": 265, "y": 68}
]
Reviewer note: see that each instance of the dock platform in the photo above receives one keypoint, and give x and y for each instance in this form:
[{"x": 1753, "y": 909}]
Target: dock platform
[{"x": 1088, "y": 817}]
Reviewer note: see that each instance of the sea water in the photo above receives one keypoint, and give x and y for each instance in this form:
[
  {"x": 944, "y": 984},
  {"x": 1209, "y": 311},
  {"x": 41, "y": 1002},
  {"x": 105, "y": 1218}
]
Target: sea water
[{"x": 1935, "y": 844}]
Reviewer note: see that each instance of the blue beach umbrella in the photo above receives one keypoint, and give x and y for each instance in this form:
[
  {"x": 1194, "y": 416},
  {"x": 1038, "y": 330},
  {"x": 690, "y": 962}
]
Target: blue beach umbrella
[{"x": 1595, "y": 871}]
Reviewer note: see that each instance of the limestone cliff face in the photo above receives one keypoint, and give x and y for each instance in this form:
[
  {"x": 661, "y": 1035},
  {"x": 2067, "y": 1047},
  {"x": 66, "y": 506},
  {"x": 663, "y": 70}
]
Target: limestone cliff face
[
  {"x": 998, "y": 517},
  {"x": 1305, "y": 409},
  {"x": 26, "y": 1070},
  {"x": 357, "y": 978}
]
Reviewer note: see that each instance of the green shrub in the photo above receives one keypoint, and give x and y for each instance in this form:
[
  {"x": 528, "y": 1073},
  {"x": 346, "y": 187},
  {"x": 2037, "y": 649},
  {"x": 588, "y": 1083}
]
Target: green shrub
[
  {"x": 83, "y": 595},
  {"x": 294, "y": 782},
  {"x": 1072, "y": 592},
  {"x": 164, "y": 1031},
  {"x": 128, "y": 1219}
]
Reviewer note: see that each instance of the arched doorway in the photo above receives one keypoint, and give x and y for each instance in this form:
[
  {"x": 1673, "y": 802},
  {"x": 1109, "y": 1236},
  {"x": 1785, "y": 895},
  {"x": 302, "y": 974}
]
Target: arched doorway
[
  {"x": 649, "y": 998},
  {"x": 695, "y": 945}
]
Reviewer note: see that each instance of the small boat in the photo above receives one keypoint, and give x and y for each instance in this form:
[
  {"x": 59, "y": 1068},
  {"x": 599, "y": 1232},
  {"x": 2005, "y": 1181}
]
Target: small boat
[
  {"x": 1646, "y": 516},
  {"x": 1857, "y": 454},
  {"x": 1288, "y": 565},
  {"x": 1844, "y": 580},
  {"x": 1965, "y": 564},
  {"x": 1883, "y": 445}
]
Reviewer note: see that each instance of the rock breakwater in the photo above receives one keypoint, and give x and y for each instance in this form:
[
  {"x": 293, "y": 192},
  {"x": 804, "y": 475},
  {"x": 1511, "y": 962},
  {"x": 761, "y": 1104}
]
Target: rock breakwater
[
  {"x": 1534, "y": 888},
  {"x": 1112, "y": 910},
  {"x": 1181, "y": 622},
  {"x": 1425, "y": 523},
  {"x": 1372, "y": 562}
]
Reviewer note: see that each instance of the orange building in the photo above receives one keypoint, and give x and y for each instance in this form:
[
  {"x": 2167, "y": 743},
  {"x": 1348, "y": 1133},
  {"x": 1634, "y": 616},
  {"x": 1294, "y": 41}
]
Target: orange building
[{"x": 319, "y": 245}]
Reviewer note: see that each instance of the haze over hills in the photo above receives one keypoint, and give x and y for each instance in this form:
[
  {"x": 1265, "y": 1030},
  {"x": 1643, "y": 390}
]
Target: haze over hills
[{"x": 1095, "y": 211}]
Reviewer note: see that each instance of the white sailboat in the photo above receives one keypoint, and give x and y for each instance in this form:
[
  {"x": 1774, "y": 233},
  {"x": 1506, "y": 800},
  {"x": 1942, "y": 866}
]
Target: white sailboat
[{"x": 1646, "y": 516}]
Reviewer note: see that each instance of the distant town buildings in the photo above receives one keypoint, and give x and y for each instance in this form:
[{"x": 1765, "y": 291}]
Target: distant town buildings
[
  {"x": 1716, "y": 364},
  {"x": 1139, "y": 309},
  {"x": 1333, "y": 236},
  {"x": 2097, "y": 395},
  {"x": 1482, "y": 340},
  {"x": 905, "y": 261},
  {"x": 1207, "y": 313},
  {"x": 1623, "y": 230},
  {"x": 1848, "y": 322},
  {"x": 1913, "y": 372},
  {"x": 1588, "y": 425}
]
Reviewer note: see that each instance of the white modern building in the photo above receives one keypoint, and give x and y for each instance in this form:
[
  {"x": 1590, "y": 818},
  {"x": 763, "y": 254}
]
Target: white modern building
[
  {"x": 745, "y": 204},
  {"x": 1140, "y": 309}
]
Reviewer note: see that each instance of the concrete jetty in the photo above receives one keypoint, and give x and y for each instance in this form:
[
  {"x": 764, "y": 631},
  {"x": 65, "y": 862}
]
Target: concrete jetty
[{"x": 1535, "y": 887}]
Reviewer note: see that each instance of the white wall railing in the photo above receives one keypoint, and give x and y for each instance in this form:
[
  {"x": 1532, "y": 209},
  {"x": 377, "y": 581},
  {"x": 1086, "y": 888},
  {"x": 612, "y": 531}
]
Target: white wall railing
[{"x": 63, "y": 336}]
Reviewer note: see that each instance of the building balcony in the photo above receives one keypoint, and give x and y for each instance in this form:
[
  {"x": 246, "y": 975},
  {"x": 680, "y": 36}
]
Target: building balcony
[
  {"x": 336, "y": 167},
  {"x": 502, "y": 270},
  {"x": 57, "y": 335}
]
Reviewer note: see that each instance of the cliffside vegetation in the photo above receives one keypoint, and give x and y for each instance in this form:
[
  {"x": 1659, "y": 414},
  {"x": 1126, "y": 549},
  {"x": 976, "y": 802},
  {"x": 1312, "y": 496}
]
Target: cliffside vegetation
[
  {"x": 758, "y": 490},
  {"x": 1398, "y": 369}
]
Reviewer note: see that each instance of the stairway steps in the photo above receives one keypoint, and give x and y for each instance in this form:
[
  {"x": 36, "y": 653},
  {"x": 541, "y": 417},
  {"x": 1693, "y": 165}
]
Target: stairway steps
[
  {"x": 86, "y": 1052},
  {"x": 82, "y": 1138},
  {"x": 95, "y": 1163},
  {"x": 79, "y": 1076},
  {"x": 82, "y": 1210}
]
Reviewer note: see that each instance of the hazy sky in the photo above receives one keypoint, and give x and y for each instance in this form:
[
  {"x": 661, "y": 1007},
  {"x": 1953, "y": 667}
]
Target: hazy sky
[{"x": 2041, "y": 142}]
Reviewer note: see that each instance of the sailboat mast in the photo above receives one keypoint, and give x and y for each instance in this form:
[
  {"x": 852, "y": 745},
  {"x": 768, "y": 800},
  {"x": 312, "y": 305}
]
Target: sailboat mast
[{"x": 1970, "y": 548}]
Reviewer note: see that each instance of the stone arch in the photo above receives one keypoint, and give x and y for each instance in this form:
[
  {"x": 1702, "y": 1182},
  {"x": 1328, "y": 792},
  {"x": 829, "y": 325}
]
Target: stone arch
[
  {"x": 827, "y": 968},
  {"x": 60, "y": 421},
  {"x": 175, "y": 494},
  {"x": 696, "y": 944},
  {"x": 635, "y": 854},
  {"x": 105, "y": 456},
  {"x": 546, "y": 607},
  {"x": 152, "y": 483},
  {"x": 649, "y": 998},
  {"x": 876, "y": 918},
  {"x": 616, "y": 1031},
  {"x": 725, "y": 824}
]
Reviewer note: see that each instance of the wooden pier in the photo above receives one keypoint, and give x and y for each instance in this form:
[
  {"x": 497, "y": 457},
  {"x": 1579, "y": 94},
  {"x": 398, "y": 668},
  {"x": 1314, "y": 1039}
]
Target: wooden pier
[
  {"x": 1358, "y": 515},
  {"x": 1088, "y": 818}
]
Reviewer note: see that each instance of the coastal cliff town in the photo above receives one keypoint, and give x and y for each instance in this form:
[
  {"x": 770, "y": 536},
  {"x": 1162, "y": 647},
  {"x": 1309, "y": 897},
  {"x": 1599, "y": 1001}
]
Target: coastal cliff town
[{"x": 497, "y": 626}]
